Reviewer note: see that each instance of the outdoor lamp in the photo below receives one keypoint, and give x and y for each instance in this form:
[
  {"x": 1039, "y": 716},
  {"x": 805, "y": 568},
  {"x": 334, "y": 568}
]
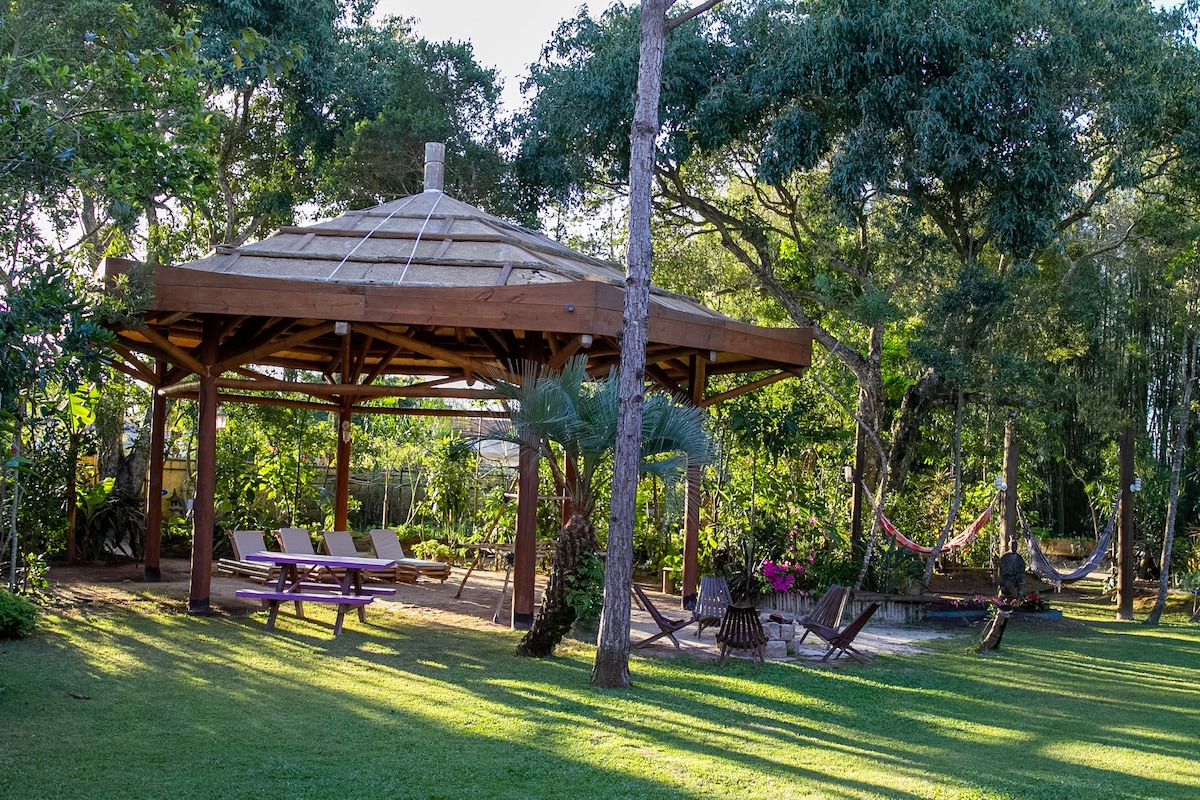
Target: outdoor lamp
[
  {"x": 1001, "y": 486},
  {"x": 585, "y": 340},
  {"x": 848, "y": 474},
  {"x": 222, "y": 419},
  {"x": 1136, "y": 486}
]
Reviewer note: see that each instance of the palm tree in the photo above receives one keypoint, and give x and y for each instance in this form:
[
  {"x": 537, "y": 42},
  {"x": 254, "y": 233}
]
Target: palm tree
[{"x": 579, "y": 415}]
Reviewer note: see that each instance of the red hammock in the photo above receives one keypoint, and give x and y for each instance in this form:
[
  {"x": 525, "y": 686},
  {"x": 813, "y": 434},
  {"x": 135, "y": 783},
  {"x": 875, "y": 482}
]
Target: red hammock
[{"x": 957, "y": 543}]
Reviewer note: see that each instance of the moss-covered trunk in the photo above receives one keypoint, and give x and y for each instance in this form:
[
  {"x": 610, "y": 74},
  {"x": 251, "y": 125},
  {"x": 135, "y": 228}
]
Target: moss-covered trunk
[{"x": 555, "y": 616}]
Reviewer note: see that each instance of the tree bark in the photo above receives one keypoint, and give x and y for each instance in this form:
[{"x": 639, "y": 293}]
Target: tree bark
[{"x": 611, "y": 668}]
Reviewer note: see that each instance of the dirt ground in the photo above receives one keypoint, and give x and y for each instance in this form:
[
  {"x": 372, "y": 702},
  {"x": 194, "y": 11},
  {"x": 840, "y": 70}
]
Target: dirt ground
[{"x": 97, "y": 585}]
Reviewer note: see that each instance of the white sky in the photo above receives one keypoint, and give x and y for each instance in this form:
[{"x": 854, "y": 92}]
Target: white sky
[{"x": 506, "y": 34}]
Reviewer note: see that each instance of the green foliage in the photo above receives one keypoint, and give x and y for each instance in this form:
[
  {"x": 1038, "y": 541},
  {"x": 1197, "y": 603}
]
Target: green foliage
[
  {"x": 585, "y": 588},
  {"x": 18, "y": 616},
  {"x": 894, "y": 569}
]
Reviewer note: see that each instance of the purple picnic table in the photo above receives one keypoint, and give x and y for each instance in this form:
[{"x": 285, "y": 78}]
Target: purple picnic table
[{"x": 291, "y": 585}]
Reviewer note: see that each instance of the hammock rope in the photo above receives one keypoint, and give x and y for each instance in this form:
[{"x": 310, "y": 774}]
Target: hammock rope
[
  {"x": 1041, "y": 565},
  {"x": 959, "y": 542}
]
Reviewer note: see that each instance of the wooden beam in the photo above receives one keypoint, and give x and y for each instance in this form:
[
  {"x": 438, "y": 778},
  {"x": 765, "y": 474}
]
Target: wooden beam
[
  {"x": 370, "y": 377},
  {"x": 334, "y": 389},
  {"x": 135, "y": 366},
  {"x": 176, "y": 354},
  {"x": 741, "y": 390},
  {"x": 378, "y": 234},
  {"x": 417, "y": 346},
  {"x": 287, "y": 343}
]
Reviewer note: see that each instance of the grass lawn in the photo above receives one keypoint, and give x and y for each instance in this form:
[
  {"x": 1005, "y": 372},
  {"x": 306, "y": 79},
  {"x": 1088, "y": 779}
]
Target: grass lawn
[{"x": 173, "y": 706}]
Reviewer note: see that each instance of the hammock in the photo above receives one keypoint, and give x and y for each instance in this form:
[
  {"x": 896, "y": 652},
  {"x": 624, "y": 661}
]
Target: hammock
[
  {"x": 959, "y": 542},
  {"x": 1041, "y": 566}
]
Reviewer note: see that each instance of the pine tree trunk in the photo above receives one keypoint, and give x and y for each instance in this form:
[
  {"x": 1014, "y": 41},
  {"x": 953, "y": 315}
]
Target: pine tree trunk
[
  {"x": 611, "y": 669},
  {"x": 555, "y": 617}
]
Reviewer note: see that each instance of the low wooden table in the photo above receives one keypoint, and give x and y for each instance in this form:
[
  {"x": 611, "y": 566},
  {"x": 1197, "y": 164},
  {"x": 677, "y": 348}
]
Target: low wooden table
[{"x": 291, "y": 586}]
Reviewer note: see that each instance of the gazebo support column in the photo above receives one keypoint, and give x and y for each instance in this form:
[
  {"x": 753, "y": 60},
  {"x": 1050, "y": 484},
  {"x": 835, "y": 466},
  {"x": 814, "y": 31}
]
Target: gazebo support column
[
  {"x": 691, "y": 537},
  {"x": 524, "y": 557},
  {"x": 341, "y": 500},
  {"x": 203, "y": 506},
  {"x": 158, "y": 426}
]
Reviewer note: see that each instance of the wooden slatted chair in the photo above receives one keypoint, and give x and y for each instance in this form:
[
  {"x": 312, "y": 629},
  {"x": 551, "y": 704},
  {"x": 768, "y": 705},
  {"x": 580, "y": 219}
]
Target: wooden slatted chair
[
  {"x": 666, "y": 626},
  {"x": 741, "y": 629},
  {"x": 711, "y": 603},
  {"x": 828, "y": 610},
  {"x": 841, "y": 640}
]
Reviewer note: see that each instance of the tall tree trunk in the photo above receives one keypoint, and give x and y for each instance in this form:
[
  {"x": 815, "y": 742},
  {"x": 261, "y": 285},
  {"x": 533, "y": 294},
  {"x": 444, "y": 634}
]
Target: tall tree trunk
[
  {"x": 1187, "y": 369},
  {"x": 611, "y": 669}
]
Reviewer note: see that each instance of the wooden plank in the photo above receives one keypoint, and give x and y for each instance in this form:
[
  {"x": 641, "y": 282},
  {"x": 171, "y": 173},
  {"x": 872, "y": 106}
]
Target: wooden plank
[
  {"x": 176, "y": 354},
  {"x": 287, "y": 343}
]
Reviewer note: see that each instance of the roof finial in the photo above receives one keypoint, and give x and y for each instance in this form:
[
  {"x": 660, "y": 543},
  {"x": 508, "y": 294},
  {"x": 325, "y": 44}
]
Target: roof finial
[{"x": 435, "y": 168}]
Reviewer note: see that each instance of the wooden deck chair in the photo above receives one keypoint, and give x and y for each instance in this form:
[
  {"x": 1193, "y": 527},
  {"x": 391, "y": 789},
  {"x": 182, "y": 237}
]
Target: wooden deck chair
[
  {"x": 297, "y": 540},
  {"x": 244, "y": 542},
  {"x": 741, "y": 629},
  {"x": 386, "y": 544},
  {"x": 341, "y": 543},
  {"x": 711, "y": 603},
  {"x": 841, "y": 640},
  {"x": 828, "y": 610},
  {"x": 666, "y": 627}
]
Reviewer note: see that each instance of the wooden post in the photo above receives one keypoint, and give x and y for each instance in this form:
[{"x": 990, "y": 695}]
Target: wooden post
[
  {"x": 203, "y": 505},
  {"x": 698, "y": 380},
  {"x": 1125, "y": 566},
  {"x": 341, "y": 492},
  {"x": 151, "y": 568},
  {"x": 1012, "y": 454},
  {"x": 524, "y": 557},
  {"x": 691, "y": 537}
]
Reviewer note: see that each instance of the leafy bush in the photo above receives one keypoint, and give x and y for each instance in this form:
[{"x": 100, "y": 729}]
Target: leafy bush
[
  {"x": 585, "y": 588},
  {"x": 17, "y": 616}
]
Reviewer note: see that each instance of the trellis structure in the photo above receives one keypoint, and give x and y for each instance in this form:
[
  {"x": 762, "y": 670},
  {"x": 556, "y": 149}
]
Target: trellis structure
[{"x": 426, "y": 287}]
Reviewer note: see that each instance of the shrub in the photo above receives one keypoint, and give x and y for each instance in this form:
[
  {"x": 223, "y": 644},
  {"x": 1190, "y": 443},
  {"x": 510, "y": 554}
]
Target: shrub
[{"x": 17, "y": 616}]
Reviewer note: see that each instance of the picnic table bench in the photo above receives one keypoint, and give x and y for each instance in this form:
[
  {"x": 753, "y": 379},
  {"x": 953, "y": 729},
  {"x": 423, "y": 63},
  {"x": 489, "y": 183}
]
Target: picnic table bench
[{"x": 290, "y": 587}]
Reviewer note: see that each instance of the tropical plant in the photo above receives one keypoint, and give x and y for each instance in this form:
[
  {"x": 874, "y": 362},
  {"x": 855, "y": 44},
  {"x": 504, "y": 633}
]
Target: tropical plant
[{"x": 579, "y": 416}]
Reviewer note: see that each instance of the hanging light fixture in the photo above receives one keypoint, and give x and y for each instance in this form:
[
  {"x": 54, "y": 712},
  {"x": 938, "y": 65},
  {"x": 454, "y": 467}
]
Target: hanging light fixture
[{"x": 222, "y": 419}]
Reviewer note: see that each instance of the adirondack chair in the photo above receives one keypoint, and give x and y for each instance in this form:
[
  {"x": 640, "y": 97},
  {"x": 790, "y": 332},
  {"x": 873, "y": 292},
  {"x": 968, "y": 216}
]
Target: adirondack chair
[
  {"x": 827, "y": 611},
  {"x": 711, "y": 603},
  {"x": 840, "y": 640},
  {"x": 666, "y": 627}
]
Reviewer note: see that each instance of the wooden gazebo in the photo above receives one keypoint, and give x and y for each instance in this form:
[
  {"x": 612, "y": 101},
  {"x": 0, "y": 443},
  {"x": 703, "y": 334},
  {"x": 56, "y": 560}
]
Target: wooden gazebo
[{"x": 426, "y": 287}]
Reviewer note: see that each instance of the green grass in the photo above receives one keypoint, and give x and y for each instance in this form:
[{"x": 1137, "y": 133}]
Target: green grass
[{"x": 183, "y": 707}]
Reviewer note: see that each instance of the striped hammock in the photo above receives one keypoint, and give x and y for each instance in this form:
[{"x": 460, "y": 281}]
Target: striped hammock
[{"x": 962, "y": 540}]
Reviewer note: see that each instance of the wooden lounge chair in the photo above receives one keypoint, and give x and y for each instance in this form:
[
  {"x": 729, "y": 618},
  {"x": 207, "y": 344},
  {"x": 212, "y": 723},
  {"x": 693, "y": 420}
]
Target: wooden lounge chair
[
  {"x": 297, "y": 540},
  {"x": 666, "y": 627},
  {"x": 244, "y": 542},
  {"x": 741, "y": 629},
  {"x": 386, "y": 544},
  {"x": 828, "y": 610},
  {"x": 341, "y": 543},
  {"x": 841, "y": 640},
  {"x": 711, "y": 603}
]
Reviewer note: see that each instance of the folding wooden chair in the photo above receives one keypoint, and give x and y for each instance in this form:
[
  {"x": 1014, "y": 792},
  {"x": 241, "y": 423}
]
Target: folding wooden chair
[
  {"x": 827, "y": 611},
  {"x": 711, "y": 603},
  {"x": 666, "y": 627},
  {"x": 840, "y": 639},
  {"x": 741, "y": 629}
]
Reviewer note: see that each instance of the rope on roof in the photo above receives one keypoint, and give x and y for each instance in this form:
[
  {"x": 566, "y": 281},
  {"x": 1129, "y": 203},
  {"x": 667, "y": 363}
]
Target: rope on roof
[
  {"x": 417, "y": 241},
  {"x": 367, "y": 235}
]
